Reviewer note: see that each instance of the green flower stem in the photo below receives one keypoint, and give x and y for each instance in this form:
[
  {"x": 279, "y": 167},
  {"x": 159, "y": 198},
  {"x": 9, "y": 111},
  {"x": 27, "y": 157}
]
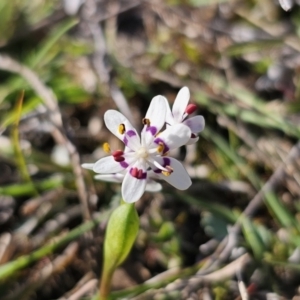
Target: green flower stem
[
  {"x": 121, "y": 232},
  {"x": 105, "y": 284}
]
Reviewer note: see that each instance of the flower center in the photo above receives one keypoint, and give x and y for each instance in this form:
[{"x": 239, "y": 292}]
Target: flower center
[{"x": 142, "y": 152}]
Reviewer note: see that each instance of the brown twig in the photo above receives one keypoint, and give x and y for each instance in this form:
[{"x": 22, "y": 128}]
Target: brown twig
[
  {"x": 55, "y": 224},
  {"x": 5, "y": 247},
  {"x": 27, "y": 227},
  {"x": 40, "y": 276},
  {"x": 31, "y": 205},
  {"x": 88, "y": 277},
  {"x": 88, "y": 287}
]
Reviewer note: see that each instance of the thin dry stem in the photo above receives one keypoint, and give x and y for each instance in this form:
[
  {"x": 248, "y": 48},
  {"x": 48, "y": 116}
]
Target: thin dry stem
[{"x": 37, "y": 279}]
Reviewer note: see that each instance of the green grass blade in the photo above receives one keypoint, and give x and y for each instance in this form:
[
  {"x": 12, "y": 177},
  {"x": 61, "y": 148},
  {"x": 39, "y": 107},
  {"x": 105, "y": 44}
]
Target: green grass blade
[
  {"x": 28, "y": 189},
  {"x": 12, "y": 267}
]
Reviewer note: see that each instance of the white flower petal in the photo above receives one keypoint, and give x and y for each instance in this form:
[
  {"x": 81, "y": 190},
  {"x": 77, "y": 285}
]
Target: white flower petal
[
  {"x": 128, "y": 150},
  {"x": 133, "y": 188},
  {"x": 108, "y": 165},
  {"x": 173, "y": 137},
  {"x": 113, "y": 119},
  {"x": 179, "y": 178},
  {"x": 169, "y": 116},
  {"x": 152, "y": 174},
  {"x": 196, "y": 123},
  {"x": 132, "y": 140},
  {"x": 180, "y": 104},
  {"x": 156, "y": 114},
  {"x": 117, "y": 177},
  {"x": 286, "y": 4},
  {"x": 88, "y": 166},
  {"x": 153, "y": 186}
]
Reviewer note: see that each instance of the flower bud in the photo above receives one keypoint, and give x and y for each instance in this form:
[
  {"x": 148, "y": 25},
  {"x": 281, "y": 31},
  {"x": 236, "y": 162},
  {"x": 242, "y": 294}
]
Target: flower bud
[
  {"x": 190, "y": 108},
  {"x": 121, "y": 232}
]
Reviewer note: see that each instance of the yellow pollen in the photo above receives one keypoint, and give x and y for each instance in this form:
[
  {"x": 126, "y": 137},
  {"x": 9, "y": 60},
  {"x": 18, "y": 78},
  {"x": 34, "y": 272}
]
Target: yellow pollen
[
  {"x": 121, "y": 128},
  {"x": 168, "y": 172},
  {"x": 106, "y": 147},
  {"x": 146, "y": 121},
  {"x": 160, "y": 148}
]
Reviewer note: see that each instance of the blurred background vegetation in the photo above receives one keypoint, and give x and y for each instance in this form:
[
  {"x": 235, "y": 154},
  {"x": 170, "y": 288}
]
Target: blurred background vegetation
[{"x": 235, "y": 234}]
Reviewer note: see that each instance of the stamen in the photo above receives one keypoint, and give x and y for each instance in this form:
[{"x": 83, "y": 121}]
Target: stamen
[
  {"x": 121, "y": 129},
  {"x": 134, "y": 172},
  {"x": 169, "y": 168},
  {"x": 106, "y": 147},
  {"x": 146, "y": 121},
  {"x": 168, "y": 172},
  {"x": 161, "y": 147},
  {"x": 140, "y": 174},
  {"x": 117, "y": 153},
  {"x": 137, "y": 173},
  {"x": 119, "y": 158},
  {"x": 158, "y": 141},
  {"x": 191, "y": 108}
]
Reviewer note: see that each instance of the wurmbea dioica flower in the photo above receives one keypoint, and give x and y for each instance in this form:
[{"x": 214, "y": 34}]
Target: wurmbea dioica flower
[
  {"x": 181, "y": 110},
  {"x": 145, "y": 153}
]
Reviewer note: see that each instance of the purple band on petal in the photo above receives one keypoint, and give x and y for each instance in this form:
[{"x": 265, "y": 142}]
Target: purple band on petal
[
  {"x": 152, "y": 129},
  {"x": 167, "y": 161},
  {"x": 124, "y": 164},
  {"x": 159, "y": 140},
  {"x": 130, "y": 133},
  {"x": 125, "y": 140},
  {"x": 157, "y": 171}
]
